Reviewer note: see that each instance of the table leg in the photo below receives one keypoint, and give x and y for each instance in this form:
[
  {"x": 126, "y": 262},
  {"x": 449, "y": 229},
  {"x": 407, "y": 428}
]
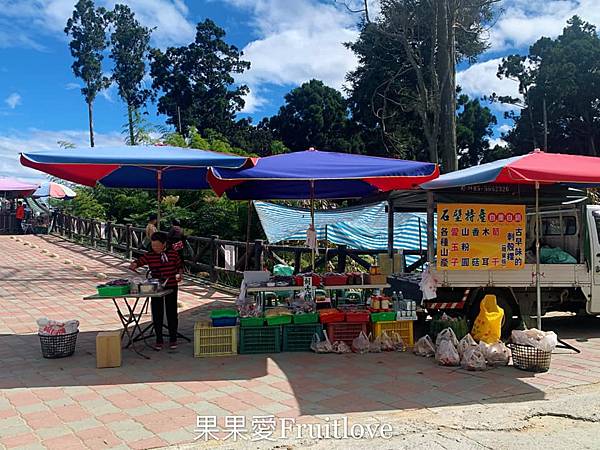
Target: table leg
[{"x": 135, "y": 320}]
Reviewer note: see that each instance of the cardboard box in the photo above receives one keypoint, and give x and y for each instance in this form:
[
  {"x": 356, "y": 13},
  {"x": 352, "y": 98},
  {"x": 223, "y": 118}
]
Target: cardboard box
[{"x": 108, "y": 349}]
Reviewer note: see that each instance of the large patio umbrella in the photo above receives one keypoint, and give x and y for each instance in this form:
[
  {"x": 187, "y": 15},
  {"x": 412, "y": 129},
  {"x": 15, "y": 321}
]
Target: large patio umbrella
[
  {"x": 54, "y": 190},
  {"x": 312, "y": 174},
  {"x": 141, "y": 166},
  {"x": 9, "y": 187},
  {"x": 536, "y": 168}
]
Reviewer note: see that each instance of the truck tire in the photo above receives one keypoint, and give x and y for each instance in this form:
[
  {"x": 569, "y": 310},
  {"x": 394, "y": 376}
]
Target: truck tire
[{"x": 505, "y": 300}]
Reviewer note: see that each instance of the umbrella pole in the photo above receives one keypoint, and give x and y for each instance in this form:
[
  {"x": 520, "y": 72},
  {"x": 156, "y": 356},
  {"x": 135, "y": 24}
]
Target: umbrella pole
[
  {"x": 312, "y": 221},
  {"x": 248, "y": 224},
  {"x": 538, "y": 287},
  {"x": 158, "y": 195}
]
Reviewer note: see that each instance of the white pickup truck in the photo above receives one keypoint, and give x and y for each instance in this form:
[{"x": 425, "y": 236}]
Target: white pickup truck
[{"x": 565, "y": 287}]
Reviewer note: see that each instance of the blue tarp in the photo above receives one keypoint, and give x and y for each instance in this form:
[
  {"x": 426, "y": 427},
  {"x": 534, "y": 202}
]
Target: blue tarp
[{"x": 362, "y": 227}]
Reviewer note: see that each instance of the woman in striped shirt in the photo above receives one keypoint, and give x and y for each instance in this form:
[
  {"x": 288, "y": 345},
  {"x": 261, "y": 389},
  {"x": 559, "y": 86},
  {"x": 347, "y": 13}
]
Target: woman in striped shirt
[{"x": 164, "y": 264}]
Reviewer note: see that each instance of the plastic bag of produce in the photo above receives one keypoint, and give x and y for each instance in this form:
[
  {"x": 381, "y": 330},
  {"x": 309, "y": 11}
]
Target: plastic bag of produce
[
  {"x": 488, "y": 325},
  {"x": 397, "y": 342},
  {"x": 361, "y": 343},
  {"x": 496, "y": 354},
  {"x": 341, "y": 347},
  {"x": 473, "y": 359},
  {"x": 542, "y": 340},
  {"x": 387, "y": 345},
  {"x": 446, "y": 335},
  {"x": 375, "y": 345},
  {"x": 446, "y": 354},
  {"x": 465, "y": 343},
  {"x": 424, "y": 347},
  {"x": 321, "y": 346}
]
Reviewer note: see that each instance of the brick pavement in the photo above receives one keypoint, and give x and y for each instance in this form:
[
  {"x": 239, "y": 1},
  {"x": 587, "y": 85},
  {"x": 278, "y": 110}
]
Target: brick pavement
[{"x": 68, "y": 403}]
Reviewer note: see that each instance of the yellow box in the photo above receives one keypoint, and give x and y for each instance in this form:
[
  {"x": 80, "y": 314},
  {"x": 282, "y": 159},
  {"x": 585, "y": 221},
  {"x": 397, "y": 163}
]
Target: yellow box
[
  {"x": 403, "y": 327},
  {"x": 214, "y": 341},
  {"x": 108, "y": 349}
]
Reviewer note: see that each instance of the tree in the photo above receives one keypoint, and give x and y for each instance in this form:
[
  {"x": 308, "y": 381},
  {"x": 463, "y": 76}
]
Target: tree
[
  {"x": 88, "y": 41},
  {"x": 419, "y": 44},
  {"x": 560, "y": 84},
  {"x": 130, "y": 46},
  {"x": 314, "y": 115},
  {"x": 197, "y": 81},
  {"x": 474, "y": 128}
]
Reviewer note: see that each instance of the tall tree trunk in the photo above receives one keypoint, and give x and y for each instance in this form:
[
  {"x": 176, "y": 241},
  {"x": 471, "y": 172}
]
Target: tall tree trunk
[
  {"x": 130, "y": 117},
  {"x": 91, "y": 121},
  {"x": 446, "y": 75}
]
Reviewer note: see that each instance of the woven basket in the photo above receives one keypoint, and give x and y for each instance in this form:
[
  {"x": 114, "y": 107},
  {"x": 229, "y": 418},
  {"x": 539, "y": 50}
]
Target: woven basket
[
  {"x": 58, "y": 346},
  {"x": 530, "y": 358}
]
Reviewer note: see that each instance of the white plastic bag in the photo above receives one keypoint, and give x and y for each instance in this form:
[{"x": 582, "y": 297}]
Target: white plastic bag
[
  {"x": 542, "y": 340},
  {"x": 446, "y": 335},
  {"x": 424, "y": 347},
  {"x": 387, "y": 344},
  {"x": 341, "y": 347},
  {"x": 446, "y": 354},
  {"x": 361, "y": 343},
  {"x": 465, "y": 343},
  {"x": 398, "y": 342},
  {"x": 496, "y": 354},
  {"x": 473, "y": 359},
  {"x": 321, "y": 346},
  {"x": 375, "y": 344}
]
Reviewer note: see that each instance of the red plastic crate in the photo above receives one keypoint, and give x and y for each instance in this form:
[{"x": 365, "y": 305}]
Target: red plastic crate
[
  {"x": 358, "y": 316},
  {"x": 331, "y": 316},
  {"x": 335, "y": 280},
  {"x": 316, "y": 280},
  {"x": 345, "y": 331}
]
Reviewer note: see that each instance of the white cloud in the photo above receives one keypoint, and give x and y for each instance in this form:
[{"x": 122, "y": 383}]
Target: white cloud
[
  {"x": 480, "y": 79},
  {"x": 525, "y": 21},
  {"x": 254, "y": 101},
  {"x": 12, "y": 143},
  {"x": 497, "y": 141},
  {"x": 72, "y": 86},
  {"x": 13, "y": 100},
  {"x": 504, "y": 128},
  {"x": 297, "y": 41},
  {"x": 25, "y": 23}
]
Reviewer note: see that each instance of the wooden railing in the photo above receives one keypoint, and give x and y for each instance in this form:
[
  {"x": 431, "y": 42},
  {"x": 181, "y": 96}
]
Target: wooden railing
[
  {"x": 218, "y": 259},
  {"x": 8, "y": 223}
]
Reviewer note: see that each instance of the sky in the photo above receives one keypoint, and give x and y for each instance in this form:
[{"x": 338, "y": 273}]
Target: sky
[{"x": 287, "y": 43}]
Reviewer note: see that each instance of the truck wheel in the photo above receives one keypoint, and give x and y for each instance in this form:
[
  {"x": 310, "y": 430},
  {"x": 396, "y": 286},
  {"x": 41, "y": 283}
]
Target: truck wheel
[{"x": 505, "y": 302}]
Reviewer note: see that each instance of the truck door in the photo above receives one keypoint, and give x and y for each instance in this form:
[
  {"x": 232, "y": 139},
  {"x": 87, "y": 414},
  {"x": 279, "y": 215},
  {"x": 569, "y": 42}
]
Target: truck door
[{"x": 593, "y": 253}]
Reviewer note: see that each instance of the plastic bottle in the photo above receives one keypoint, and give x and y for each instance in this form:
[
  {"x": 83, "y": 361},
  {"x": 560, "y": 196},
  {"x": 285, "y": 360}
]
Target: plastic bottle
[{"x": 395, "y": 301}]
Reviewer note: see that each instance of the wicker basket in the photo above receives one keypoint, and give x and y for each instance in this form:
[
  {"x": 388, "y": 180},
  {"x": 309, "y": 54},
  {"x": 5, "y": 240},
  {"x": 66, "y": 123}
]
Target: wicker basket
[
  {"x": 530, "y": 358},
  {"x": 58, "y": 346}
]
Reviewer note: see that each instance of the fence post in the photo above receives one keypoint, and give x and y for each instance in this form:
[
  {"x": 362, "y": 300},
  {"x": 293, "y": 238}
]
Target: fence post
[
  {"x": 93, "y": 232},
  {"x": 341, "y": 265},
  {"x": 258, "y": 254},
  {"x": 128, "y": 240},
  {"x": 108, "y": 232},
  {"x": 70, "y": 226},
  {"x": 214, "y": 258}
]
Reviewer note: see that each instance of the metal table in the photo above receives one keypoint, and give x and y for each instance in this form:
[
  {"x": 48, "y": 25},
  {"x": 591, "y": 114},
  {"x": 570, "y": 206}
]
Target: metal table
[{"x": 131, "y": 316}]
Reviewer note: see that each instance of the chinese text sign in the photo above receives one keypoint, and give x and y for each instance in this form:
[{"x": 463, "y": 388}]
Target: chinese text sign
[{"x": 480, "y": 237}]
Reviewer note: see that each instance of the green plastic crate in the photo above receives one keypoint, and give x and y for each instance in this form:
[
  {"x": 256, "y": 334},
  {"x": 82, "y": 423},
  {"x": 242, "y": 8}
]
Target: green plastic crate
[
  {"x": 298, "y": 337},
  {"x": 109, "y": 291},
  {"x": 252, "y": 321},
  {"x": 383, "y": 316},
  {"x": 260, "y": 340},
  {"x": 278, "y": 320},
  {"x": 306, "y": 318},
  {"x": 223, "y": 313}
]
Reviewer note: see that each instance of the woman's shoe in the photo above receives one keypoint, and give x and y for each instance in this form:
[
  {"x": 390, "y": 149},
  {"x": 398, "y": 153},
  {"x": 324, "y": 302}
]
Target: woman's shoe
[
  {"x": 158, "y": 347},
  {"x": 173, "y": 346}
]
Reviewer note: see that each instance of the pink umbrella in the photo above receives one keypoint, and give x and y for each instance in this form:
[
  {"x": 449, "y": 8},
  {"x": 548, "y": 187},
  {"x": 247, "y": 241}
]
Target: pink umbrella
[{"x": 9, "y": 187}]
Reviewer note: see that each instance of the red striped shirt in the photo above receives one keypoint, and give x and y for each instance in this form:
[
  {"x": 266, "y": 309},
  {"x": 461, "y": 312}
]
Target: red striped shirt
[{"x": 159, "y": 269}]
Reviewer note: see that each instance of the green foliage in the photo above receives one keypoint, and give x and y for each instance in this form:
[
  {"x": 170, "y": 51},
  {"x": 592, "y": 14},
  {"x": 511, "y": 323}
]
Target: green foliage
[
  {"x": 88, "y": 40},
  {"x": 314, "y": 115},
  {"x": 474, "y": 128},
  {"x": 85, "y": 205},
  {"x": 130, "y": 46},
  {"x": 561, "y": 73},
  {"x": 196, "y": 81},
  {"x": 141, "y": 127}
]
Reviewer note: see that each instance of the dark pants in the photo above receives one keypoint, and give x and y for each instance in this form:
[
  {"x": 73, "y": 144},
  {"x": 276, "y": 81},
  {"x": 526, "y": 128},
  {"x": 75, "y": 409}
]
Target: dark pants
[
  {"x": 19, "y": 226},
  {"x": 158, "y": 310}
]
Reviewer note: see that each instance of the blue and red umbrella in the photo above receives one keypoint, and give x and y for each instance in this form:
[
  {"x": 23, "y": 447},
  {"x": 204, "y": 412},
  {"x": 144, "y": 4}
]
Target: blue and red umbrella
[{"x": 313, "y": 174}]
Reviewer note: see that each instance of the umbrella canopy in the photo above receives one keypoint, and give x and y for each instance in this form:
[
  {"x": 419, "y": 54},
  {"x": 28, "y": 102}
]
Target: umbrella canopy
[
  {"x": 54, "y": 190},
  {"x": 536, "y": 167},
  {"x": 319, "y": 175},
  {"x": 141, "y": 166},
  {"x": 15, "y": 188}
]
